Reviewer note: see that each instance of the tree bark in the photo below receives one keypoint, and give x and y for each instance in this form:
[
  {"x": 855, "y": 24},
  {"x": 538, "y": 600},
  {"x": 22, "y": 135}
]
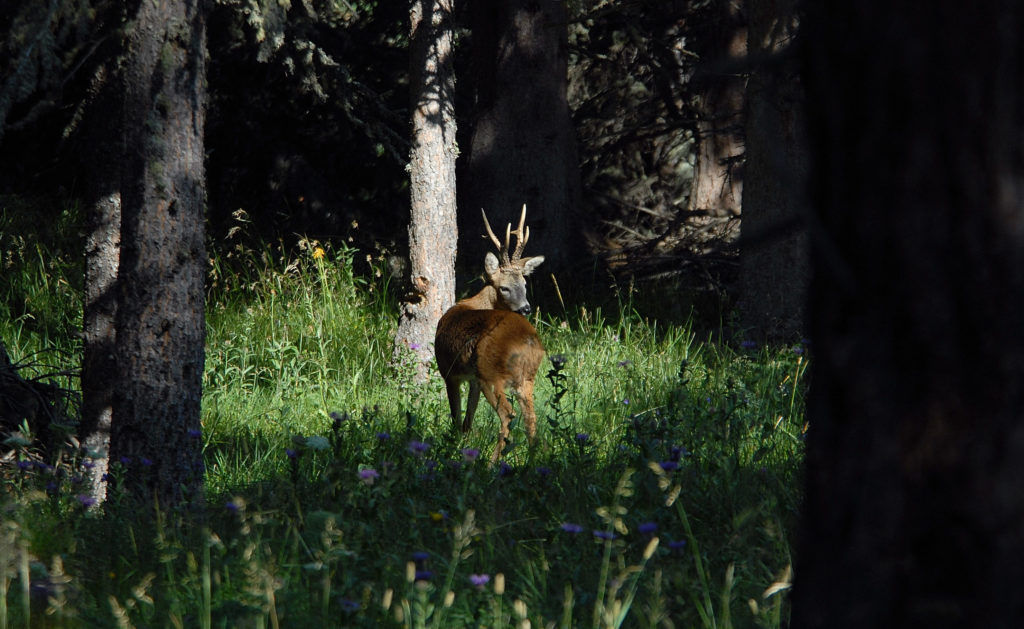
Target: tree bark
[
  {"x": 160, "y": 320},
  {"x": 720, "y": 84},
  {"x": 433, "y": 233},
  {"x": 523, "y": 146},
  {"x": 914, "y": 514},
  {"x": 774, "y": 258}
]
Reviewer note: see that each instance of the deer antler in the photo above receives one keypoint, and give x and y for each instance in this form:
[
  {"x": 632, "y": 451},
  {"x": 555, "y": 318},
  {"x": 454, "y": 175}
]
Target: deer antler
[{"x": 522, "y": 235}]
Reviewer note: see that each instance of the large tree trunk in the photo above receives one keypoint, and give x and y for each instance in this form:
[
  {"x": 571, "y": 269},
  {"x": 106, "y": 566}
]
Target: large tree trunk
[
  {"x": 720, "y": 84},
  {"x": 774, "y": 261},
  {"x": 432, "y": 227},
  {"x": 914, "y": 511},
  {"x": 523, "y": 147},
  {"x": 160, "y": 320}
]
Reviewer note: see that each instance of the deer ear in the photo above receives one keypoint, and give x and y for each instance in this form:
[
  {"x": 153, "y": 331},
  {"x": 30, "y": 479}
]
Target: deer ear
[
  {"x": 530, "y": 264},
  {"x": 490, "y": 263}
]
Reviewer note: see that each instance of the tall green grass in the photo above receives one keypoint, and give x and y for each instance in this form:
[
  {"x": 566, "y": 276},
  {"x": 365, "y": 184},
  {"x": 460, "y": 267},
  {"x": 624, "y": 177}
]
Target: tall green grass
[{"x": 663, "y": 490}]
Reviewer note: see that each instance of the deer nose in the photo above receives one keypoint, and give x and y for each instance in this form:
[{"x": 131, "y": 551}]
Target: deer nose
[{"x": 525, "y": 310}]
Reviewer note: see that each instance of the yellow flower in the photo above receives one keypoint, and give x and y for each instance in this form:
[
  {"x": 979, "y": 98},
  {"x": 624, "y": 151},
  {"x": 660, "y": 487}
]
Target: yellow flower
[{"x": 318, "y": 253}]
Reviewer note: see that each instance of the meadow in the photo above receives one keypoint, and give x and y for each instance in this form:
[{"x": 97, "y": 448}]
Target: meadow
[{"x": 663, "y": 492}]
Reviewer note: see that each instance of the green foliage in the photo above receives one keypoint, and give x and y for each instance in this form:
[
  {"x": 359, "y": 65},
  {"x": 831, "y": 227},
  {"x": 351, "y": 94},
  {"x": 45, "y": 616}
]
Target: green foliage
[{"x": 663, "y": 486}]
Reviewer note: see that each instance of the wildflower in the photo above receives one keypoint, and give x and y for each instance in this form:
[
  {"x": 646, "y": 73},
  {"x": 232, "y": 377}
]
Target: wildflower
[
  {"x": 438, "y": 516},
  {"x": 414, "y": 346},
  {"x": 349, "y": 606},
  {"x": 420, "y": 556},
  {"x": 24, "y": 465},
  {"x": 291, "y": 454},
  {"x": 86, "y": 501},
  {"x": 668, "y": 466},
  {"x": 125, "y": 460},
  {"x": 418, "y": 448},
  {"x": 605, "y": 535},
  {"x": 678, "y": 451},
  {"x": 504, "y": 469},
  {"x": 469, "y": 454},
  {"x": 231, "y": 506},
  {"x": 543, "y": 471},
  {"x": 424, "y": 575},
  {"x": 798, "y": 350},
  {"x": 368, "y": 475},
  {"x": 647, "y": 528},
  {"x": 558, "y": 360},
  {"x": 318, "y": 253},
  {"x": 88, "y": 464},
  {"x": 677, "y": 545},
  {"x": 479, "y": 580},
  {"x": 338, "y": 418},
  {"x": 570, "y": 527},
  {"x": 582, "y": 437},
  {"x": 195, "y": 433},
  {"x": 145, "y": 462},
  {"x": 383, "y": 436},
  {"x": 748, "y": 345},
  {"x": 625, "y": 402}
]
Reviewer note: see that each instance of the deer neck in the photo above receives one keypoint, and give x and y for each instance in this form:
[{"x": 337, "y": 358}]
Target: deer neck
[{"x": 486, "y": 299}]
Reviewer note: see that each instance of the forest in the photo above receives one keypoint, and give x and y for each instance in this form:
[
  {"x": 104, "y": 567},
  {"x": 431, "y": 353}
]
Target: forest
[{"x": 776, "y": 292}]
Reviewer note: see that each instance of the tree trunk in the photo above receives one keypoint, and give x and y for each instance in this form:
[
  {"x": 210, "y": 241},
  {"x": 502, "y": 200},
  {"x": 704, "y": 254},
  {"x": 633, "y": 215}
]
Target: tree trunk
[
  {"x": 102, "y": 168},
  {"x": 774, "y": 259},
  {"x": 433, "y": 234},
  {"x": 914, "y": 513},
  {"x": 160, "y": 320},
  {"x": 523, "y": 147},
  {"x": 720, "y": 84}
]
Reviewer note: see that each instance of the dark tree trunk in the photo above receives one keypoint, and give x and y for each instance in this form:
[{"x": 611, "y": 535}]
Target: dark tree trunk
[
  {"x": 523, "y": 148},
  {"x": 719, "y": 83},
  {"x": 160, "y": 320},
  {"x": 775, "y": 266},
  {"x": 432, "y": 227},
  {"x": 914, "y": 512}
]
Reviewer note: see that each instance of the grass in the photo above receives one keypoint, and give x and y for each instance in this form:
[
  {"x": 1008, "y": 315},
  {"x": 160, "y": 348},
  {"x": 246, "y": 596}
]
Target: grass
[{"x": 663, "y": 491}]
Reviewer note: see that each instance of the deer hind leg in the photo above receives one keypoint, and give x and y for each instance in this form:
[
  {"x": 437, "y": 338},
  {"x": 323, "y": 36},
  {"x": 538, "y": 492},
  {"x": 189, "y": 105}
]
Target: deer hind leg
[
  {"x": 495, "y": 395},
  {"x": 452, "y": 387},
  {"x": 525, "y": 395},
  {"x": 471, "y": 403}
]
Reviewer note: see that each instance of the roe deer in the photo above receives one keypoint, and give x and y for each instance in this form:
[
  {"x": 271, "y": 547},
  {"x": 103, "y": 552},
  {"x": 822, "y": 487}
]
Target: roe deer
[{"x": 486, "y": 340}]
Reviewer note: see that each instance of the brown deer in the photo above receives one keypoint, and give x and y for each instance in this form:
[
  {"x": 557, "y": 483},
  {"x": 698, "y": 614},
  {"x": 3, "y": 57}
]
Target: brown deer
[{"x": 486, "y": 340}]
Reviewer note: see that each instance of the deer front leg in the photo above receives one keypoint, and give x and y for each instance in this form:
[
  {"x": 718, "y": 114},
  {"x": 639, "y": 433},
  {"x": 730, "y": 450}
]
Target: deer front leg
[{"x": 525, "y": 395}]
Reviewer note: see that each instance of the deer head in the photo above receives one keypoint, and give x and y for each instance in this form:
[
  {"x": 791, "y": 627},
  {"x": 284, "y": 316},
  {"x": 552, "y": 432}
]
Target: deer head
[{"x": 508, "y": 275}]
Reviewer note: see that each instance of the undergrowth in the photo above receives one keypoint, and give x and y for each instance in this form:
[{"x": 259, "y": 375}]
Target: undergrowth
[{"x": 663, "y": 490}]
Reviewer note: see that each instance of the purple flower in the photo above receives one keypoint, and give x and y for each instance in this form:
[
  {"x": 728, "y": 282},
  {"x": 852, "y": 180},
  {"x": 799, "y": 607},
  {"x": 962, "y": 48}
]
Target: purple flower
[
  {"x": 504, "y": 469},
  {"x": 668, "y": 466},
  {"x": 368, "y": 475},
  {"x": 125, "y": 460},
  {"x": 231, "y": 506},
  {"x": 626, "y": 401},
  {"x": 383, "y": 436},
  {"x": 194, "y": 433},
  {"x": 145, "y": 462},
  {"x": 88, "y": 464},
  {"x": 24, "y": 465},
  {"x": 543, "y": 471},
  {"x": 647, "y": 528},
  {"x": 291, "y": 454},
  {"x": 748, "y": 345},
  {"x": 469, "y": 454},
  {"x": 479, "y": 580},
  {"x": 414, "y": 346},
  {"x": 420, "y": 556},
  {"x": 418, "y": 448},
  {"x": 677, "y": 545},
  {"x": 424, "y": 575},
  {"x": 349, "y": 606},
  {"x": 582, "y": 437},
  {"x": 570, "y": 527},
  {"x": 86, "y": 501},
  {"x": 605, "y": 535}
]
